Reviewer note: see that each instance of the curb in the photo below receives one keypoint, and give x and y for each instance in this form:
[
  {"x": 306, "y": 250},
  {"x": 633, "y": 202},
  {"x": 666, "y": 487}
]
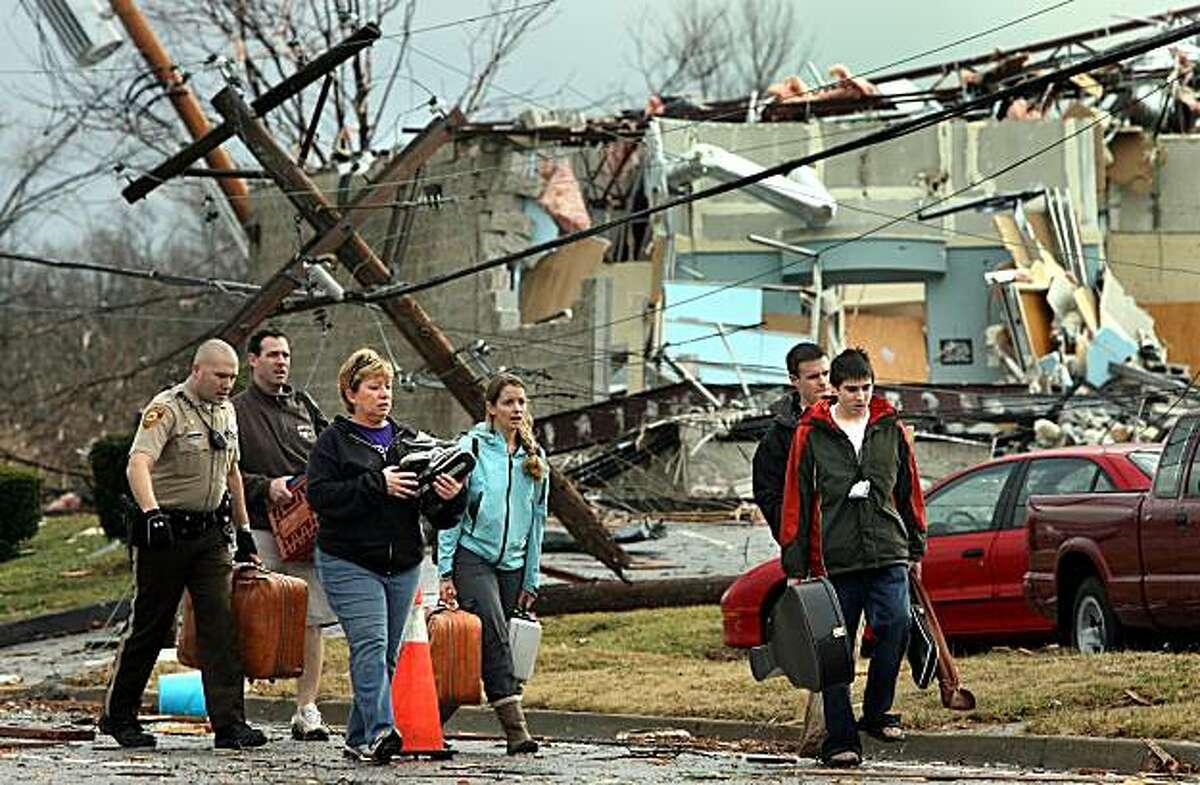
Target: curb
[
  {"x": 1061, "y": 753},
  {"x": 69, "y": 622}
]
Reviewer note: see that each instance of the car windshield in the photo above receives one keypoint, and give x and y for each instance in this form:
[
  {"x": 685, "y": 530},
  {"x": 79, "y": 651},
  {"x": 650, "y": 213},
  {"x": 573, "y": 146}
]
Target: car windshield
[{"x": 1146, "y": 461}]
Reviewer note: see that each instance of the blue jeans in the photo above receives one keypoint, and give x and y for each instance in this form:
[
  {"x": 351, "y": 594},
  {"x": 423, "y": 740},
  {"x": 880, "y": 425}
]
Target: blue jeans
[
  {"x": 372, "y": 610},
  {"x": 882, "y": 594}
]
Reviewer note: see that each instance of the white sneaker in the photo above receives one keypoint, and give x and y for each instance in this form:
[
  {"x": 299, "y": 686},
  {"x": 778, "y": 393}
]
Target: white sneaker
[{"x": 308, "y": 724}]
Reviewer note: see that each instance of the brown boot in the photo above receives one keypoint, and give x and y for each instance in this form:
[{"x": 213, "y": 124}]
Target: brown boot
[{"x": 512, "y": 719}]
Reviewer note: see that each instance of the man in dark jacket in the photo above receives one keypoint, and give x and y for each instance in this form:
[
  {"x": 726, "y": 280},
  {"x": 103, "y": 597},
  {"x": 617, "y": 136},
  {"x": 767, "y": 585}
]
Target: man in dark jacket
[
  {"x": 277, "y": 426},
  {"x": 853, "y": 510},
  {"x": 808, "y": 371}
]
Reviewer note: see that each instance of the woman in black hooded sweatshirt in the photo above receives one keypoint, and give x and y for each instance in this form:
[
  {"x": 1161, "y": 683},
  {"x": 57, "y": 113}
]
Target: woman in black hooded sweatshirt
[{"x": 369, "y": 545}]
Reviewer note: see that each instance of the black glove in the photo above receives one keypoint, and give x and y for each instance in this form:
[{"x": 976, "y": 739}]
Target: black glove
[
  {"x": 152, "y": 530},
  {"x": 794, "y": 558},
  {"x": 245, "y": 545}
]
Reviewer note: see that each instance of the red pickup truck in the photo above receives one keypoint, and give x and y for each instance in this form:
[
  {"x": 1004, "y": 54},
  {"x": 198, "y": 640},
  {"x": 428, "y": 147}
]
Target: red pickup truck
[{"x": 1103, "y": 565}]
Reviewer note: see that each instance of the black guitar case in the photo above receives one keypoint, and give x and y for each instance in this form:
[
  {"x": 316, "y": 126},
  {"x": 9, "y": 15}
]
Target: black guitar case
[{"x": 809, "y": 640}]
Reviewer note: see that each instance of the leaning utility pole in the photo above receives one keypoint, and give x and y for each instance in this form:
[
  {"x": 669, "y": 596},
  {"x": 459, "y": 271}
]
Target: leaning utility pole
[{"x": 184, "y": 100}]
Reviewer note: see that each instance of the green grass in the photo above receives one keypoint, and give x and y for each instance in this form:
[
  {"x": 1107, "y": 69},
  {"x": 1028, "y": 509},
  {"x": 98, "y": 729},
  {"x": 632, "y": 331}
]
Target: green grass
[
  {"x": 47, "y": 577},
  {"x": 672, "y": 662}
]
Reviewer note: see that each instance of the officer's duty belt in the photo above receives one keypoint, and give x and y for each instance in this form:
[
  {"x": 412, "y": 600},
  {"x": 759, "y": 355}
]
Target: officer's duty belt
[{"x": 189, "y": 525}]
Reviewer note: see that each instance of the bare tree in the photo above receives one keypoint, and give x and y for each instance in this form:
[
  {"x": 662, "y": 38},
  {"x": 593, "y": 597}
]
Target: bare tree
[
  {"x": 493, "y": 43},
  {"x": 684, "y": 50},
  {"x": 38, "y": 180},
  {"x": 718, "y": 49},
  {"x": 61, "y": 329},
  {"x": 766, "y": 41}
]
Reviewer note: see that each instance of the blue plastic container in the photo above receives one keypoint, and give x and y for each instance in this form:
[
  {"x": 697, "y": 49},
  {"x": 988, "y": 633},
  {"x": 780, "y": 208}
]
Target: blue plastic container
[{"x": 181, "y": 693}]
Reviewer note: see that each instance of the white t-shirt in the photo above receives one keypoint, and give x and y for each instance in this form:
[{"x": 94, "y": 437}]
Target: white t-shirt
[{"x": 856, "y": 429}]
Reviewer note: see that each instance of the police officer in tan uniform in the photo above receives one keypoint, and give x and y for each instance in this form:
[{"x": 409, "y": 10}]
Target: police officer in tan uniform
[{"x": 183, "y": 472}]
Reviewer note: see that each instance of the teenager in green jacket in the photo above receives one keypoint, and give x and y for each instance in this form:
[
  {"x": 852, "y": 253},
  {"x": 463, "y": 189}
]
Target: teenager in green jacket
[{"x": 853, "y": 510}]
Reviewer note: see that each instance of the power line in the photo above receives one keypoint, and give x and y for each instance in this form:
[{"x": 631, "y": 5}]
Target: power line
[{"x": 170, "y": 279}]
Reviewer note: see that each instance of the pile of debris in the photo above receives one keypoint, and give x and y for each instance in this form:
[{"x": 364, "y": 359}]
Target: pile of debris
[{"x": 1070, "y": 329}]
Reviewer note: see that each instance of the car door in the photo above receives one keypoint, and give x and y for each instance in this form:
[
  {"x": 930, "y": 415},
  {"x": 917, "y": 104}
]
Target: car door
[
  {"x": 962, "y": 525},
  {"x": 1010, "y": 552},
  {"x": 1170, "y": 533}
]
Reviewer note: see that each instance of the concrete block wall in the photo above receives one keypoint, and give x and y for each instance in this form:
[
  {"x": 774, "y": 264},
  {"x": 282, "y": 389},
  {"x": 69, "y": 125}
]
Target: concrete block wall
[{"x": 483, "y": 183}]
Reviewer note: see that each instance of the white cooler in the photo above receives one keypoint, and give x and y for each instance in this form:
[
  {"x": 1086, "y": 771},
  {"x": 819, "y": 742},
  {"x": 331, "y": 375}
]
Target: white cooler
[{"x": 524, "y": 638}]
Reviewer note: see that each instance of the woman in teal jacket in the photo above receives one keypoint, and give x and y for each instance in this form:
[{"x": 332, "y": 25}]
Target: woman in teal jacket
[{"x": 489, "y": 562}]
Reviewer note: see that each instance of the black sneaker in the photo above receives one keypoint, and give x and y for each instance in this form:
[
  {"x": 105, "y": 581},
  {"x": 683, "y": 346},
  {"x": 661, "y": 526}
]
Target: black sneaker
[
  {"x": 128, "y": 733},
  {"x": 238, "y": 736},
  {"x": 846, "y": 759},
  {"x": 386, "y": 746}
]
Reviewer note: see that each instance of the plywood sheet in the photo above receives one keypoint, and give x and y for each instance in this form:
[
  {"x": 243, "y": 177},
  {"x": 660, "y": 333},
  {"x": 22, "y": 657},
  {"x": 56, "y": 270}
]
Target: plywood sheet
[
  {"x": 555, "y": 282},
  {"x": 1013, "y": 239},
  {"x": 1085, "y": 301},
  {"x": 1038, "y": 316},
  {"x": 1176, "y": 324},
  {"x": 1042, "y": 230},
  {"x": 796, "y": 323},
  {"x": 896, "y": 345}
]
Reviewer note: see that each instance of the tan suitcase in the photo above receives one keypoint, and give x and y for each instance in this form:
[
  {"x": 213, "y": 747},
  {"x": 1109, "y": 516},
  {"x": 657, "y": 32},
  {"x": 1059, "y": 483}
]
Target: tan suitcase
[
  {"x": 456, "y": 645},
  {"x": 269, "y": 611}
]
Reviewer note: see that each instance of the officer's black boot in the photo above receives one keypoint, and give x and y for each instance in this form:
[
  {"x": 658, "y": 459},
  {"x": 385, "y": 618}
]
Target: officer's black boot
[
  {"x": 128, "y": 733},
  {"x": 237, "y": 736}
]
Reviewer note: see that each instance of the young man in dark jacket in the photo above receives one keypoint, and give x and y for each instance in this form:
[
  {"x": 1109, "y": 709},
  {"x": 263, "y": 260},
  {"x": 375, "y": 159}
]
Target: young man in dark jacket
[
  {"x": 853, "y": 510},
  {"x": 808, "y": 371}
]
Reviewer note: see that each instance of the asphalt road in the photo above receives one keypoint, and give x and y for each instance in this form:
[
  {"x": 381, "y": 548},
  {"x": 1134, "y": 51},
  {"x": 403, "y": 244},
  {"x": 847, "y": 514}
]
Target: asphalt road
[{"x": 186, "y": 757}]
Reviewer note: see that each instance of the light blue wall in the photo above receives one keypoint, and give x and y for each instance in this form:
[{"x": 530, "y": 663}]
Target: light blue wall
[
  {"x": 959, "y": 305},
  {"x": 698, "y": 311}
]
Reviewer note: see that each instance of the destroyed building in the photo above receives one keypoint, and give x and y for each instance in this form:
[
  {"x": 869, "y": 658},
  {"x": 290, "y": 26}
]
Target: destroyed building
[{"x": 997, "y": 266}]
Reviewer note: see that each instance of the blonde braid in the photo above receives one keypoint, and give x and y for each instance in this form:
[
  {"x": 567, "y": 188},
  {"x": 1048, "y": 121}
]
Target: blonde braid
[{"x": 533, "y": 464}]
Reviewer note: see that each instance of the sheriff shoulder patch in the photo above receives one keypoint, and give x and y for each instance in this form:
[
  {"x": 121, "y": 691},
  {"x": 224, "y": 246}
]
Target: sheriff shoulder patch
[{"x": 154, "y": 415}]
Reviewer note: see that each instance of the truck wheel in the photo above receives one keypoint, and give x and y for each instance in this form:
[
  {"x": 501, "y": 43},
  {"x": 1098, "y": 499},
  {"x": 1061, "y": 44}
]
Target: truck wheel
[{"x": 1094, "y": 627}]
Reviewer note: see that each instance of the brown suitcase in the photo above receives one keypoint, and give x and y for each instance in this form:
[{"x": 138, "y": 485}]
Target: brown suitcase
[
  {"x": 456, "y": 645},
  {"x": 294, "y": 524},
  {"x": 269, "y": 612}
]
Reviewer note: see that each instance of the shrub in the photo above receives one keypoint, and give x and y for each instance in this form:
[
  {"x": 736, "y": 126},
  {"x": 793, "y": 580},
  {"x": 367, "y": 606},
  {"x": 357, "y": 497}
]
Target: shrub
[
  {"x": 20, "y": 508},
  {"x": 108, "y": 457}
]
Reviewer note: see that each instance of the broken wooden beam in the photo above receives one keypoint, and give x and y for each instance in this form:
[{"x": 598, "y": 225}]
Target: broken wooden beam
[
  {"x": 559, "y": 599},
  {"x": 46, "y": 733},
  {"x": 413, "y": 322}
]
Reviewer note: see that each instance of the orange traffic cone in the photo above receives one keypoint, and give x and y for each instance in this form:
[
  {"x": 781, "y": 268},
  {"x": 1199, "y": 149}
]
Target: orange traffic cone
[{"x": 414, "y": 693}]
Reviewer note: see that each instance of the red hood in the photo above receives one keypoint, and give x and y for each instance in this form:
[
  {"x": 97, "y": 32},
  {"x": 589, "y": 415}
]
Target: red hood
[{"x": 821, "y": 411}]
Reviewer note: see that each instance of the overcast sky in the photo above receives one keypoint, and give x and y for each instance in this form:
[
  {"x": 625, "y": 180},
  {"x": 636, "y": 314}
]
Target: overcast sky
[{"x": 583, "y": 49}]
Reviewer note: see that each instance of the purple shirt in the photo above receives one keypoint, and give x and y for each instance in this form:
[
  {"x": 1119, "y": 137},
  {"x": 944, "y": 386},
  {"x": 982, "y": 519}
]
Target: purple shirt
[{"x": 380, "y": 438}]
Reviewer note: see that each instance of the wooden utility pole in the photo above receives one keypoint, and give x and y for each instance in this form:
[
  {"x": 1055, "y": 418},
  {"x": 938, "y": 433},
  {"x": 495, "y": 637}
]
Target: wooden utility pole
[
  {"x": 405, "y": 312},
  {"x": 184, "y": 100}
]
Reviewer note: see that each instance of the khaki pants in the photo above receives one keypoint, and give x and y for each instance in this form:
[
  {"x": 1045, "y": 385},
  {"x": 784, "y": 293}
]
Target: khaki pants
[{"x": 203, "y": 566}]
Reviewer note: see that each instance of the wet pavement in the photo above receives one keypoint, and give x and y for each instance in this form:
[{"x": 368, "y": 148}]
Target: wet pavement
[{"x": 184, "y": 754}]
